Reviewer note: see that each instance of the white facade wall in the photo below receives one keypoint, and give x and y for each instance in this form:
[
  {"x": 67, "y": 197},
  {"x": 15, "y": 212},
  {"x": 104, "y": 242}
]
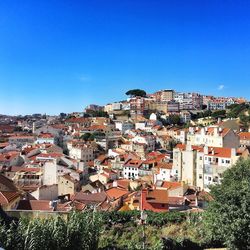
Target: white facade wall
[
  {"x": 84, "y": 154},
  {"x": 45, "y": 140},
  {"x": 164, "y": 175},
  {"x": 131, "y": 172},
  {"x": 123, "y": 126}
]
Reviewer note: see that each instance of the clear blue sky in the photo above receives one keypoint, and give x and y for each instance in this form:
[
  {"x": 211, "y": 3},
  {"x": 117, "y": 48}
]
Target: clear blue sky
[{"x": 58, "y": 56}]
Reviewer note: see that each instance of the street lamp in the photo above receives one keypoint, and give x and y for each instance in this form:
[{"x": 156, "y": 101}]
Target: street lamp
[{"x": 143, "y": 222}]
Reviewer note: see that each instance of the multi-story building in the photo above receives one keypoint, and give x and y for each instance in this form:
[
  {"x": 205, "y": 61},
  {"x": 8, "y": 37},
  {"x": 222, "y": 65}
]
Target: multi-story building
[
  {"x": 21, "y": 140},
  {"x": 81, "y": 151},
  {"x": 131, "y": 169},
  {"x": 244, "y": 139},
  {"x": 188, "y": 101},
  {"x": 173, "y": 107},
  {"x": 93, "y": 107},
  {"x": 197, "y": 100},
  {"x": 202, "y": 166},
  {"x": 219, "y": 103},
  {"x": 148, "y": 140},
  {"x": 67, "y": 185},
  {"x": 139, "y": 105},
  {"x": 116, "y": 106},
  {"x": 185, "y": 116},
  {"x": 45, "y": 138},
  {"x": 164, "y": 172},
  {"x": 123, "y": 125},
  {"x": 213, "y": 136},
  {"x": 164, "y": 95}
]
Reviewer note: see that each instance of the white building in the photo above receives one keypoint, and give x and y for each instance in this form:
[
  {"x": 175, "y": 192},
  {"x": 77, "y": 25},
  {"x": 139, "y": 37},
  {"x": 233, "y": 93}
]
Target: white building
[
  {"x": 116, "y": 106},
  {"x": 164, "y": 172},
  {"x": 213, "y": 136},
  {"x": 202, "y": 166},
  {"x": 123, "y": 126},
  {"x": 81, "y": 152},
  {"x": 131, "y": 169},
  {"x": 52, "y": 170},
  {"x": 148, "y": 140},
  {"x": 45, "y": 138}
]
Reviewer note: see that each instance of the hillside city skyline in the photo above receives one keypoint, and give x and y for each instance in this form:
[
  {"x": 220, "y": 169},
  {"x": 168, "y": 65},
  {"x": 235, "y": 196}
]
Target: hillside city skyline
[
  {"x": 60, "y": 55},
  {"x": 126, "y": 97}
]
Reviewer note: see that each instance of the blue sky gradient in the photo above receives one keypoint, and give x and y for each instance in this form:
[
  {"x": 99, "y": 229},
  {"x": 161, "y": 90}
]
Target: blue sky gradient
[{"x": 59, "y": 56}]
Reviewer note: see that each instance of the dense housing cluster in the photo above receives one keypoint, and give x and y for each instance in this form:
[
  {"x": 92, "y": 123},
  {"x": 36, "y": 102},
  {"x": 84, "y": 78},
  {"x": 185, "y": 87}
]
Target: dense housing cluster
[{"x": 151, "y": 152}]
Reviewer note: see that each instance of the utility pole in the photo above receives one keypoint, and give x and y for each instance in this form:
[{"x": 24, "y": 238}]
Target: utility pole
[{"x": 143, "y": 223}]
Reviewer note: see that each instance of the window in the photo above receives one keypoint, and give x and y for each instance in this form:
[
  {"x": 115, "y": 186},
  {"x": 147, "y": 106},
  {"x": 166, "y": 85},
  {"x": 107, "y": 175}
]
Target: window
[
  {"x": 200, "y": 158},
  {"x": 209, "y": 178},
  {"x": 200, "y": 176}
]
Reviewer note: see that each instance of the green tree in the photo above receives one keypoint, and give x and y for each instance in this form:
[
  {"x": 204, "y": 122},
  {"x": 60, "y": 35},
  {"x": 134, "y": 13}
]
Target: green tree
[
  {"x": 174, "y": 119},
  {"x": 86, "y": 136},
  {"x": 136, "y": 92},
  {"x": 227, "y": 219},
  {"x": 219, "y": 113},
  {"x": 171, "y": 144}
]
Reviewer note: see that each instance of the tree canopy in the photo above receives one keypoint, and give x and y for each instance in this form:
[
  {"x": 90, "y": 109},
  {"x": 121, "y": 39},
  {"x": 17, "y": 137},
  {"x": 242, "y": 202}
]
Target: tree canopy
[
  {"x": 136, "y": 92},
  {"x": 174, "y": 119},
  {"x": 227, "y": 219}
]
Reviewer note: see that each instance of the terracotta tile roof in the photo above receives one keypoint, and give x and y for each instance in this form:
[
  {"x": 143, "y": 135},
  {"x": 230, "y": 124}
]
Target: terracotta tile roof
[
  {"x": 9, "y": 185},
  {"x": 46, "y": 135},
  {"x": 171, "y": 185},
  {"x": 69, "y": 178},
  {"x": 35, "y": 205},
  {"x": 158, "y": 200},
  {"x": 116, "y": 193},
  {"x": 157, "y": 196},
  {"x": 244, "y": 136},
  {"x": 97, "y": 128},
  {"x": 8, "y": 156},
  {"x": 78, "y": 206},
  {"x": 7, "y": 197},
  {"x": 212, "y": 151},
  {"x": 123, "y": 183},
  {"x": 50, "y": 155},
  {"x": 21, "y": 137},
  {"x": 165, "y": 165},
  {"x": 220, "y": 152},
  {"x": 77, "y": 120},
  {"x": 133, "y": 163},
  {"x": 4, "y": 144},
  {"x": 90, "y": 198},
  {"x": 183, "y": 147}
]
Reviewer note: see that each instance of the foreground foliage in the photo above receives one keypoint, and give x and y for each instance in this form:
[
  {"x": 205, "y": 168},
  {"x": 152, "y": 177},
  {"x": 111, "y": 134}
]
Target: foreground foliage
[
  {"x": 79, "y": 231},
  {"x": 227, "y": 220},
  {"x": 225, "y": 223}
]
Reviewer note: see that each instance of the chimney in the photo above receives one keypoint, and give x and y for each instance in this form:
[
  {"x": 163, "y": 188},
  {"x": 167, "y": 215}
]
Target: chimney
[
  {"x": 203, "y": 131},
  {"x": 115, "y": 184},
  {"x": 216, "y": 131},
  {"x": 189, "y": 147},
  {"x": 206, "y": 150},
  {"x": 212, "y": 151},
  {"x": 233, "y": 152}
]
